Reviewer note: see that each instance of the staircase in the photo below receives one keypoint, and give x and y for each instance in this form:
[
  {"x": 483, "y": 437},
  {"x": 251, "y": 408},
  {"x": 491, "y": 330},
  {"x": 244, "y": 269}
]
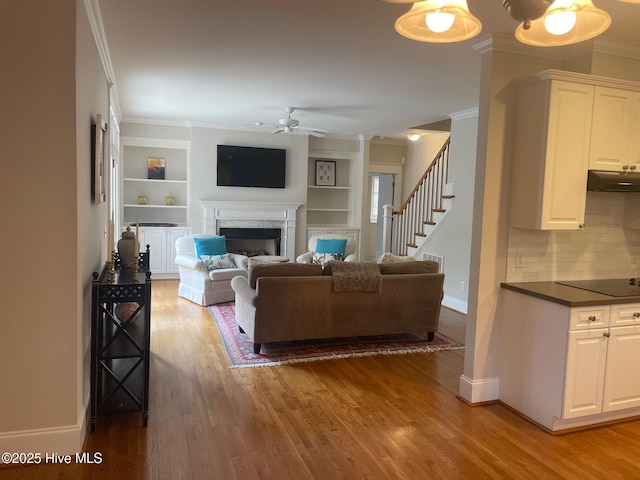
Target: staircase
[{"x": 408, "y": 229}]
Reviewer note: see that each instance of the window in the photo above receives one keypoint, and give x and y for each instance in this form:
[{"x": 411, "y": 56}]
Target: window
[{"x": 375, "y": 189}]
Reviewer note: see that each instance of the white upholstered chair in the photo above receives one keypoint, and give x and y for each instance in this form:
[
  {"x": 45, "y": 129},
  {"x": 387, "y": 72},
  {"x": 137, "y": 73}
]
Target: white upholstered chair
[
  {"x": 202, "y": 286},
  {"x": 349, "y": 253}
]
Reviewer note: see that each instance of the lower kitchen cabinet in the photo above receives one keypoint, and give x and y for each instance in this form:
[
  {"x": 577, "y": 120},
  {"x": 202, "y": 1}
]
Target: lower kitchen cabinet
[
  {"x": 163, "y": 245},
  {"x": 566, "y": 367}
]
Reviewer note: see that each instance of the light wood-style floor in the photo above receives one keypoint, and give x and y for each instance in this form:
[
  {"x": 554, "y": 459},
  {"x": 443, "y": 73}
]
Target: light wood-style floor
[{"x": 384, "y": 417}]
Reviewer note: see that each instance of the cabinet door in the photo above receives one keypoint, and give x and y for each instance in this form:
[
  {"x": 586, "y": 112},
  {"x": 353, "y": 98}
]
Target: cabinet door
[
  {"x": 612, "y": 135},
  {"x": 551, "y": 156},
  {"x": 622, "y": 379},
  {"x": 584, "y": 380},
  {"x": 158, "y": 254},
  {"x": 172, "y": 236}
]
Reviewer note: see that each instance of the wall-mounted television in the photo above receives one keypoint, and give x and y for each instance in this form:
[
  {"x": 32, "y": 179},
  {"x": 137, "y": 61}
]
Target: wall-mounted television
[{"x": 251, "y": 167}]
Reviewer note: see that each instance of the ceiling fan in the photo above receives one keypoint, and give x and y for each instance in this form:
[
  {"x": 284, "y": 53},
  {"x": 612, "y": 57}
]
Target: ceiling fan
[{"x": 291, "y": 125}]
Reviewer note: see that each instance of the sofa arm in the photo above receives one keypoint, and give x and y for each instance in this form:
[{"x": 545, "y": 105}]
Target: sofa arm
[
  {"x": 240, "y": 285},
  {"x": 305, "y": 258},
  {"x": 190, "y": 262}
]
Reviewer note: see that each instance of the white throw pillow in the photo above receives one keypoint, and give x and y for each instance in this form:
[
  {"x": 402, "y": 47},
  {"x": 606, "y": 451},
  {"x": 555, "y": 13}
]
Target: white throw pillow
[
  {"x": 323, "y": 258},
  {"x": 216, "y": 262}
]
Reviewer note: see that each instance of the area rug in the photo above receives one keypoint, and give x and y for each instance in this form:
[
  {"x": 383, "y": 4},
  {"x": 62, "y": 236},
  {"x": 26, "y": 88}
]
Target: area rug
[{"x": 240, "y": 348}]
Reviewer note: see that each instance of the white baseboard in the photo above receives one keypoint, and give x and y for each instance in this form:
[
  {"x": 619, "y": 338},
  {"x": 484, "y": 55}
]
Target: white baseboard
[
  {"x": 478, "y": 391},
  {"x": 67, "y": 440},
  {"x": 455, "y": 304}
]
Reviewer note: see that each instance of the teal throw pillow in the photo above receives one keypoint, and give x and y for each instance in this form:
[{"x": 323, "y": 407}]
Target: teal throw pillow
[
  {"x": 210, "y": 246},
  {"x": 335, "y": 246}
]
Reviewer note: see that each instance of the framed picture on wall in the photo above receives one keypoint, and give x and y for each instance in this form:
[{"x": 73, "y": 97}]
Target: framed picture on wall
[
  {"x": 98, "y": 161},
  {"x": 326, "y": 173}
]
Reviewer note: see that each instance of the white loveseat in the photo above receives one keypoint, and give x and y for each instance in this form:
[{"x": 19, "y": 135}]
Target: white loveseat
[{"x": 202, "y": 286}]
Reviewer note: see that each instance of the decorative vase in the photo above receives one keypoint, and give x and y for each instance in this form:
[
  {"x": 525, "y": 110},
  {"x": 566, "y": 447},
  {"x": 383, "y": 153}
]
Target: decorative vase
[
  {"x": 128, "y": 248},
  {"x": 169, "y": 200},
  {"x": 142, "y": 200}
]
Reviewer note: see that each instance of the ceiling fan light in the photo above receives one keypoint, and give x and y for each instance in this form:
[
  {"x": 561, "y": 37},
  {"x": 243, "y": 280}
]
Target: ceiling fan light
[
  {"x": 589, "y": 22},
  {"x": 416, "y": 24},
  {"x": 413, "y": 137}
]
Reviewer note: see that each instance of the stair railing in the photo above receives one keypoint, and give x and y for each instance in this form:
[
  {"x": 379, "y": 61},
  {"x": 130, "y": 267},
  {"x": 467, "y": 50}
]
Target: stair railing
[{"x": 419, "y": 207}]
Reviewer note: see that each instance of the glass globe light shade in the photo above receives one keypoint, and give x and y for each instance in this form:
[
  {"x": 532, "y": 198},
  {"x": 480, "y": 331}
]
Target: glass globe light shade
[
  {"x": 424, "y": 22},
  {"x": 590, "y": 22}
]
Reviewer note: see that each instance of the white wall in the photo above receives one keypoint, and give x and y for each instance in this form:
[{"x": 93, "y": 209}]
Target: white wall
[
  {"x": 51, "y": 236},
  {"x": 453, "y": 238}
]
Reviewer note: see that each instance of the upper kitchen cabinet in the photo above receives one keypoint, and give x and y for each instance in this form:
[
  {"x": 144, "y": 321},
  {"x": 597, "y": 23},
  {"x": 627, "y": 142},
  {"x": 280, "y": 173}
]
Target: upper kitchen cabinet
[
  {"x": 551, "y": 152},
  {"x": 615, "y": 138}
]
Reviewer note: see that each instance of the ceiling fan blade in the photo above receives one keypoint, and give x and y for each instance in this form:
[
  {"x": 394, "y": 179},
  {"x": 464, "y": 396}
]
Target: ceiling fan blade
[
  {"x": 279, "y": 130},
  {"x": 320, "y": 130}
]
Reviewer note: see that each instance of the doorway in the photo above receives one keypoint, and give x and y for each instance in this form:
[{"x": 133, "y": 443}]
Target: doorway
[{"x": 382, "y": 188}]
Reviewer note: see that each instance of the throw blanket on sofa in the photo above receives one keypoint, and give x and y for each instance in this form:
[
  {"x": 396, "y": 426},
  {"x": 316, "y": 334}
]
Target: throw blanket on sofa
[{"x": 356, "y": 277}]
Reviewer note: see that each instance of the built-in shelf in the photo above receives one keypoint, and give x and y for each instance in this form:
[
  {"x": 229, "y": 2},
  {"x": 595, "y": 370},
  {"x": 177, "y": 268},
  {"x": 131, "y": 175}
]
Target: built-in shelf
[{"x": 165, "y": 200}]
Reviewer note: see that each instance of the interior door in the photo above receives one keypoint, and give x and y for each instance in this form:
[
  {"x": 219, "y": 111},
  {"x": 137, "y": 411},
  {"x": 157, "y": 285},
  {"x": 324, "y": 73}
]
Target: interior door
[{"x": 385, "y": 197}]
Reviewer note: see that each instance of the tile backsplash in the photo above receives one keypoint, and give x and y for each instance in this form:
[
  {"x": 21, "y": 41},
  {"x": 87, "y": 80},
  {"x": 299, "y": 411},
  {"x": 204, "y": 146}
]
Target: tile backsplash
[{"x": 604, "y": 249}]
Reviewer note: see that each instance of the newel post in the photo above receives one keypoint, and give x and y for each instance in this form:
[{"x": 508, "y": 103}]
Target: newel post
[{"x": 387, "y": 222}]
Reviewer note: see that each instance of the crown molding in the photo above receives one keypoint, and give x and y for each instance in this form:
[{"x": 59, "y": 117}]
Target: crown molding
[
  {"x": 92, "y": 10},
  {"x": 465, "y": 114}
]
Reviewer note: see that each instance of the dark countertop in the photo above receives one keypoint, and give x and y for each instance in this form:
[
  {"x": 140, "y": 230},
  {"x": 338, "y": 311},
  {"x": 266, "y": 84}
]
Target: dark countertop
[{"x": 570, "y": 296}]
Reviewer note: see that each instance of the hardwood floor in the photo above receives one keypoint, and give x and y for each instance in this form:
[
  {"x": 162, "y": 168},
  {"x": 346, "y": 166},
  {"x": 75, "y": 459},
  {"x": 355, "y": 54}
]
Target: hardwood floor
[{"x": 384, "y": 417}]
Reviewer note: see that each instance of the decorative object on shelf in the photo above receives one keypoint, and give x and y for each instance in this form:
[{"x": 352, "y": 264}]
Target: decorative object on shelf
[
  {"x": 155, "y": 168},
  {"x": 128, "y": 249},
  {"x": 98, "y": 171},
  {"x": 142, "y": 200},
  {"x": 169, "y": 200},
  {"x": 543, "y": 22},
  {"x": 326, "y": 173}
]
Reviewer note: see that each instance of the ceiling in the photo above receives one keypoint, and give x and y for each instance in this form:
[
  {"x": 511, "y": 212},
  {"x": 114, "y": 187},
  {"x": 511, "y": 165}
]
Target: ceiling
[{"x": 340, "y": 63}]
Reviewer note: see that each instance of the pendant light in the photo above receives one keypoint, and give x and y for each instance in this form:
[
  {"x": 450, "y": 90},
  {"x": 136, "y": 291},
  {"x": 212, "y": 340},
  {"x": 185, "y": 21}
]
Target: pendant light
[
  {"x": 438, "y": 21},
  {"x": 564, "y": 23}
]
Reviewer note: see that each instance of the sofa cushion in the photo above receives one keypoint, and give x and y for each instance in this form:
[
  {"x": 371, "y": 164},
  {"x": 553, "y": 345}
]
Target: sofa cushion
[
  {"x": 419, "y": 266},
  {"x": 215, "y": 262},
  {"x": 226, "y": 274},
  {"x": 282, "y": 270},
  {"x": 210, "y": 246}
]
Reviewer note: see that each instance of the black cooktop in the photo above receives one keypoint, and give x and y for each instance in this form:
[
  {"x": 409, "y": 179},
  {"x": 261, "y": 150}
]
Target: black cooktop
[{"x": 615, "y": 287}]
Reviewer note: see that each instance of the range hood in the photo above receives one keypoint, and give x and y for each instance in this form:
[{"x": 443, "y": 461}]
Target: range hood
[{"x": 603, "y": 181}]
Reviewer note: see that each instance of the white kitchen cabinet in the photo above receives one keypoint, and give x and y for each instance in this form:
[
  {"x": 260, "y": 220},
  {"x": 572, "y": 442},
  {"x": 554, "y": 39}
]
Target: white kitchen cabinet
[
  {"x": 622, "y": 379},
  {"x": 551, "y": 153},
  {"x": 566, "y": 367},
  {"x": 615, "y": 142},
  {"x": 162, "y": 242},
  {"x": 584, "y": 381}
]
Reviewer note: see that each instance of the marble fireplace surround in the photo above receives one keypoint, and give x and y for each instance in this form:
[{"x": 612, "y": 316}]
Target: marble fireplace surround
[{"x": 223, "y": 214}]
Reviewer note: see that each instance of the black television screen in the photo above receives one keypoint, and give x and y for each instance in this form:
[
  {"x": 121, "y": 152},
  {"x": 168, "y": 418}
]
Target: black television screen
[{"x": 251, "y": 167}]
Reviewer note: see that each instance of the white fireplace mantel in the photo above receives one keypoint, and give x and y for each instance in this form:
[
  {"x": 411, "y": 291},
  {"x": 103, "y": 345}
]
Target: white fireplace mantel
[{"x": 253, "y": 215}]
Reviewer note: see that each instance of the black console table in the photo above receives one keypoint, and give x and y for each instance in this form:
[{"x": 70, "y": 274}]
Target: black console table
[{"x": 120, "y": 340}]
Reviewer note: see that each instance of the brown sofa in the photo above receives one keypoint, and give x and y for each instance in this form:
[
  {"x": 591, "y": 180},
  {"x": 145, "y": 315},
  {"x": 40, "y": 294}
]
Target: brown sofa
[{"x": 285, "y": 302}]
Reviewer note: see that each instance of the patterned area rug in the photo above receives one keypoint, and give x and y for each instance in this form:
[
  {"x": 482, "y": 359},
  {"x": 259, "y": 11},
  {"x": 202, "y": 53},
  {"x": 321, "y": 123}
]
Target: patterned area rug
[{"x": 240, "y": 348}]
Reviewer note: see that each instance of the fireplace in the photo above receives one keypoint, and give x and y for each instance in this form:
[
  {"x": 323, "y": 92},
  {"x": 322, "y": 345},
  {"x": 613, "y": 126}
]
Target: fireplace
[
  {"x": 252, "y": 241},
  {"x": 219, "y": 215}
]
